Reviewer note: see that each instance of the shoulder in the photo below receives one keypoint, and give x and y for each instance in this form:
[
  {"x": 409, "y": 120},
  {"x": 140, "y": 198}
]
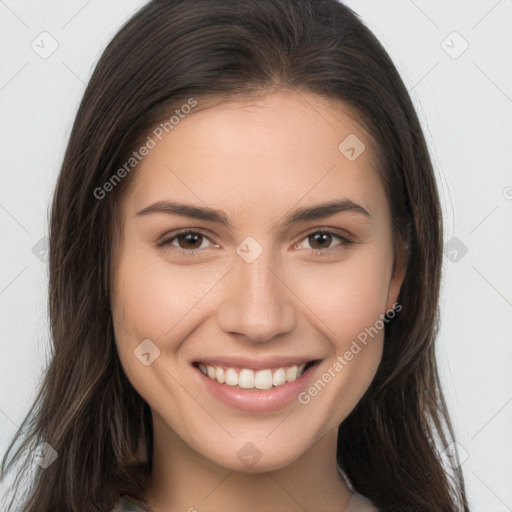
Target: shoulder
[
  {"x": 359, "y": 503},
  {"x": 127, "y": 504}
]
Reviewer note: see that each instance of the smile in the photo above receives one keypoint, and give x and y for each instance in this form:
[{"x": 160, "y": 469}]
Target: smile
[
  {"x": 255, "y": 385},
  {"x": 247, "y": 378}
]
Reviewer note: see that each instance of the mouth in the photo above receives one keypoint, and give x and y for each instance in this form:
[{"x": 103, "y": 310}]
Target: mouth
[{"x": 254, "y": 378}]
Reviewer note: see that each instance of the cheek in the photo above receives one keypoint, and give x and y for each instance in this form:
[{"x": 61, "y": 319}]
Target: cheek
[
  {"x": 155, "y": 300},
  {"x": 348, "y": 296},
  {"x": 151, "y": 298},
  {"x": 348, "y": 301}
]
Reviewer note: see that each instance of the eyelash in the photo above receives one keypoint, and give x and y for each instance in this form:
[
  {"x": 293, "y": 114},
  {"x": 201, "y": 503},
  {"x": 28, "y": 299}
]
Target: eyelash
[{"x": 345, "y": 242}]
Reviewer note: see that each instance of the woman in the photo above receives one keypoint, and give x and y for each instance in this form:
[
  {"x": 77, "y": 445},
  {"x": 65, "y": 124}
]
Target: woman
[{"x": 209, "y": 353}]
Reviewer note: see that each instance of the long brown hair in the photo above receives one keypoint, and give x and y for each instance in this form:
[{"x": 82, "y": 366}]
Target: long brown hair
[{"x": 167, "y": 53}]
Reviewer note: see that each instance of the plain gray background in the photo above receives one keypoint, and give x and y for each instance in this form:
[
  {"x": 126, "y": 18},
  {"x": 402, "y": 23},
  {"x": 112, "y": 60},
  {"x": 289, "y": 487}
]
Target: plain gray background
[{"x": 455, "y": 59}]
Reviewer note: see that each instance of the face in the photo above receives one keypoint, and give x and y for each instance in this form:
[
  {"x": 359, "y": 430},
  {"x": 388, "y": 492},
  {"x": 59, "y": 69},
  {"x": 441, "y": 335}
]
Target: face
[{"x": 256, "y": 279}]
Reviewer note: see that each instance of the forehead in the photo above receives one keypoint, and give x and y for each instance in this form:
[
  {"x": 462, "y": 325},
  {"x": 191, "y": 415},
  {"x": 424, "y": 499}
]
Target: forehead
[{"x": 270, "y": 152}]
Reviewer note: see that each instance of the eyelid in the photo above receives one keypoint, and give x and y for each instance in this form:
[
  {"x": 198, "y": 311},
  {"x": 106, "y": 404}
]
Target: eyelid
[
  {"x": 167, "y": 238},
  {"x": 333, "y": 232}
]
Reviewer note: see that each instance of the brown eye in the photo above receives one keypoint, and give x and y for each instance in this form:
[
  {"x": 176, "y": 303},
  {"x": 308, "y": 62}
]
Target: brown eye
[
  {"x": 186, "y": 242},
  {"x": 320, "y": 240},
  {"x": 190, "y": 240}
]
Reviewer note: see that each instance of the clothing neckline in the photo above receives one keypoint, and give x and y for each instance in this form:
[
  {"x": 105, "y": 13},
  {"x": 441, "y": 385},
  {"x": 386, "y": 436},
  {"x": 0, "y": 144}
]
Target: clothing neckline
[
  {"x": 357, "y": 502},
  {"x": 129, "y": 503}
]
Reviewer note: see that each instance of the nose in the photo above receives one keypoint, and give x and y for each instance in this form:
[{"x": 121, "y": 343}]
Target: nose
[{"x": 257, "y": 302}]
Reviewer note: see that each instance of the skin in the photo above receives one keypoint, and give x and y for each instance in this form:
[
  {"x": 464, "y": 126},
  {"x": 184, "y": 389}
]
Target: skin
[{"x": 256, "y": 160}]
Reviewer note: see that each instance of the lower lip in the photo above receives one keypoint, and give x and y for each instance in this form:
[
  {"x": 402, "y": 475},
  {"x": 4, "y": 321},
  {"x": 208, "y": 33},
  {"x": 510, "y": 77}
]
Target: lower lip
[{"x": 258, "y": 400}]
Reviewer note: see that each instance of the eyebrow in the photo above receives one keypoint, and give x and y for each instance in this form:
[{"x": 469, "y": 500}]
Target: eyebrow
[{"x": 303, "y": 214}]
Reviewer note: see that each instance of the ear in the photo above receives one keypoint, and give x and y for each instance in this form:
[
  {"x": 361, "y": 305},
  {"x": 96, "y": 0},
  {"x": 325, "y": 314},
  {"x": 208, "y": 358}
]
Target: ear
[{"x": 399, "y": 271}]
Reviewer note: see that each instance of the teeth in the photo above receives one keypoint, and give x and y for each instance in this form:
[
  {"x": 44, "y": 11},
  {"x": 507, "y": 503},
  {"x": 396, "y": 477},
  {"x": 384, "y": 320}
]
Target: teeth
[
  {"x": 279, "y": 377},
  {"x": 263, "y": 379},
  {"x": 291, "y": 373},
  {"x": 250, "y": 379},
  {"x": 231, "y": 377},
  {"x": 246, "y": 379},
  {"x": 219, "y": 375}
]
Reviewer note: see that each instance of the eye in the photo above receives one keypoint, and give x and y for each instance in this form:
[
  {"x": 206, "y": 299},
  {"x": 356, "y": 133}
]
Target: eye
[
  {"x": 190, "y": 243},
  {"x": 321, "y": 240},
  {"x": 187, "y": 242}
]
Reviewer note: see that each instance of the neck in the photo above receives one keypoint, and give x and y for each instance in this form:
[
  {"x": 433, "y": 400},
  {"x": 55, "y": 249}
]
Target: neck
[{"x": 182, "y": 479}]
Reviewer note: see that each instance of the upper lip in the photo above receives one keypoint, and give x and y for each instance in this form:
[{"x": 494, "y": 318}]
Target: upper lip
[{"x": 258, "y": 363}]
